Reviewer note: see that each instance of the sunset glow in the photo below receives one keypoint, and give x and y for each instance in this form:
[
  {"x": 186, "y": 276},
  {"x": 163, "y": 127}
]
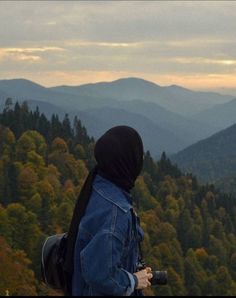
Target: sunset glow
[{"x": 191, "y": 43}]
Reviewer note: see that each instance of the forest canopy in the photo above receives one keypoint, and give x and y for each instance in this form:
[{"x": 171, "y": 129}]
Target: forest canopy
[{"x": 189, "y": 228}]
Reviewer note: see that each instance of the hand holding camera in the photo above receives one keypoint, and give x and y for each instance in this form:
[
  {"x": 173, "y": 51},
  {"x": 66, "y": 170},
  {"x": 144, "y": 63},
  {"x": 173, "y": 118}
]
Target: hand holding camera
[
  {"x": 147, "y": 277},
  {"x": 143, "y": 278}
]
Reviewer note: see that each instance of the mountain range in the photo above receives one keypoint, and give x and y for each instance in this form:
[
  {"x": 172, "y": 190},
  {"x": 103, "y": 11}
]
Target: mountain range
[
  {"x": 155, "y": 138},
  {"x": 221, "y": 115},
  {"x": 168, "y": 118},
  {"x": 211, "y": 159},
  {"x": 173, "y": 98}
]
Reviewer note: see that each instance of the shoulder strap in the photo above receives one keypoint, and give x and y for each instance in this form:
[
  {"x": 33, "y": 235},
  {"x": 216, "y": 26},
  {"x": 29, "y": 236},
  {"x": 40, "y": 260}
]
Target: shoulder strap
[
  {"x": 133, "y": 221},
  {"x": 134, "y": 216}
]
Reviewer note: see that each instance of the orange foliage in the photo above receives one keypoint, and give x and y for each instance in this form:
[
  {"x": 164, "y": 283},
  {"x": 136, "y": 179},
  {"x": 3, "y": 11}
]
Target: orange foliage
[{"x": 16, "y": 277}]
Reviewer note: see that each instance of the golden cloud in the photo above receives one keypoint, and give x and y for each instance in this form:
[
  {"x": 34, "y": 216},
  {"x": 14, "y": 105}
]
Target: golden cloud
[
  {"x": 77, "y": 43},
  {"x": 26, "y": 54},
  {"x": 201, "y": 60}
]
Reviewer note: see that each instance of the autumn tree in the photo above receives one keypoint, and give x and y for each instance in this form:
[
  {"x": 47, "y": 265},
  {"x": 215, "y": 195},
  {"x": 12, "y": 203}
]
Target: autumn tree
[{"x": 16, "y": 277}]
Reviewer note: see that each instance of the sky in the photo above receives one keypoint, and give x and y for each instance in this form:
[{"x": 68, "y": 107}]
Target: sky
[{"x": 187, "y": 43}]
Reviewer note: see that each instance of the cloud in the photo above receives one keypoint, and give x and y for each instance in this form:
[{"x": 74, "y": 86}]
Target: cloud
[
  {"x": 160, "y": 40},
  {"x": 167, "y": 43},
  {"x": 118, "y": 21},
  {"x": 81, "y": 43},
  {"x": 51, "y": 23},
  {"x": 30, "y": 58},
  {"x": 30, "y": 50},
  {"x": 202, "y": 60},
  {"x": 26, "y": 54}
]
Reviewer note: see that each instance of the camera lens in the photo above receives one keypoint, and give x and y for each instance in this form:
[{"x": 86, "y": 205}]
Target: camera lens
[{"x": 159, "y": 278}]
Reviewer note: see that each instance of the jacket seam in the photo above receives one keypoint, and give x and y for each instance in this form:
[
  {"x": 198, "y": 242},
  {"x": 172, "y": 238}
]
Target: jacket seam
[
  {"x": 108, "y": 199},
  {"x": 81, "y": 227},
  {"x": 113, "y": 220},
  {"x": 111, "y": 278}
]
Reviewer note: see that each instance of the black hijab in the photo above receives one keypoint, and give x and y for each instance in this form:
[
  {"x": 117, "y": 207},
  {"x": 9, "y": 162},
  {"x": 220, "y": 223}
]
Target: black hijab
[{"x": 119, "y": 155}]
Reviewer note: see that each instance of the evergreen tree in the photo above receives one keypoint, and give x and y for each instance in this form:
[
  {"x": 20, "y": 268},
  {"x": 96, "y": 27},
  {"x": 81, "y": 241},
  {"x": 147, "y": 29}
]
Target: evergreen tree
[{"x": 189, "y": 228}]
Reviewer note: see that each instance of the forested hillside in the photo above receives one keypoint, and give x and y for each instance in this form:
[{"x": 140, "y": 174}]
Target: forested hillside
[
  {"x": 189, "y": 229},
  {"x": 212, "y": 159}
]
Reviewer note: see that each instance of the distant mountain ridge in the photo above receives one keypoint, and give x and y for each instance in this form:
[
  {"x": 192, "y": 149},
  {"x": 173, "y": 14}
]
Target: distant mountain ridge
[
  {"x": 155, "y": 138},
  {"x": 21, "y": 89},
  {"x": 186, "y": 129},
  {"x": 97, "y": 121},
  {"x": 136, "y": 97},
  {"x": 173, "y": 98},
  {"x": 221, "y": 115},
  {"x": 212, "y": 158},
  {"x": 3, "y": 97}
]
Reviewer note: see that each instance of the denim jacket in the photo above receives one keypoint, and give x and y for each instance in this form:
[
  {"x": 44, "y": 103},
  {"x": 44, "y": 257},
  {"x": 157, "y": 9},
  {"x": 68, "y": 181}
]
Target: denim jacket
[{"x": 106, "y": 249}]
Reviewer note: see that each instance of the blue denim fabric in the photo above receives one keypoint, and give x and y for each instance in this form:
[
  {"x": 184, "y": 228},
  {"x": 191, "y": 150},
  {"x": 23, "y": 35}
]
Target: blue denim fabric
[{"x": 106, "y": 250}]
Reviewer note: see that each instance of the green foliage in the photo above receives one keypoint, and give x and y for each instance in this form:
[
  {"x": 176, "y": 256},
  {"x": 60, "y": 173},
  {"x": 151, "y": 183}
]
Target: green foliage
[
  {"x": 191, "y": 233},
  {"x": 189, "y": 228},
  {"x": 213, "y": 159}
]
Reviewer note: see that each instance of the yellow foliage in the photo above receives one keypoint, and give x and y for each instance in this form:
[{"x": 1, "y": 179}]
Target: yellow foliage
[
  {"x": 60, "y": 145},
  {"x": 16, "y": 277}
]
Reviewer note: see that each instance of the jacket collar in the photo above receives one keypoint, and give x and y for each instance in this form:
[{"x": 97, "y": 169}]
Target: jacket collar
[{"x": 112, "y": 193}]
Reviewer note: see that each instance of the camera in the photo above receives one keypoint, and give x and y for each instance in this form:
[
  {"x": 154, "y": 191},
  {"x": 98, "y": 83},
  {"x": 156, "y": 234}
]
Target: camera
[{"x": 159, "y": 277}]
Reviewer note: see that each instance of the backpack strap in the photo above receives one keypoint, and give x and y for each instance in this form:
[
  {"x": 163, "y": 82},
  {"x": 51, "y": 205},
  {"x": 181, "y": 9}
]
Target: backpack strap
[{"x": 134, "y": 220}]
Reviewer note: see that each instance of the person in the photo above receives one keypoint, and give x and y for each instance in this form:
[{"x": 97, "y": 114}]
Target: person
[{"x": 105, "y": 230}]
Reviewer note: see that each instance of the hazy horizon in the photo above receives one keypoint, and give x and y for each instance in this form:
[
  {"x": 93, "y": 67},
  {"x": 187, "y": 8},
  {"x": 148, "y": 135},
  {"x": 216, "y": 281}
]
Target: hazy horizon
[
  {"x": 222, "y": 91},
  {"x": 189, "y": 44}
]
